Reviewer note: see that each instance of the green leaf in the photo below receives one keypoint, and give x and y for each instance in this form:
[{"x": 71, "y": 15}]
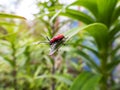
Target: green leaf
[
  {"x": 116, "y": 14},
  {"x": 97, "y": 30},
  {"x": 92, "y": 83},
  {"x": 115, "y": 51},
  {"x": 4, "y": 15},
  {"x": 60, "y": 78},
  {"x": 90, "y": 49},
  {"x": 113, "y": 64},
  {"x": 88, "y": 4},
  {"x": 63, "y": 79},
  {"x": 7, "y": 36},
  {"x": 114, "y": 31},
  {"x": 86, "y": 81},
  {"x": 7, "y": 60},
  {"x": 46, "y": 14},
  {"x": 55, "y": 16},
  {"x": 78, "y": 15},
  {"x": 90, "y": 62},
  {"x": 105, "y": 10},
  {"x": 7, "y": 23}
]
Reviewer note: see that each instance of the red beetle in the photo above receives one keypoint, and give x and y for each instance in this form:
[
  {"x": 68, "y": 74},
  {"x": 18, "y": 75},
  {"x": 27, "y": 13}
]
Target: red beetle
[{"x": 57, "y": 38}]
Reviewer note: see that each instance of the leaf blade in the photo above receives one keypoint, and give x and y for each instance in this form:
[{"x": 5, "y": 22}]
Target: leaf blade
[
  {"x": 5, "y": 15},
  {"x": 85, "y": 77}
]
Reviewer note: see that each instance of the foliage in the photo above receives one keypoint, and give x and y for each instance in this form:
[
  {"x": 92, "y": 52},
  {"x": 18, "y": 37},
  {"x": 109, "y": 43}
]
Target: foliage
[
  {"x": 102, "y": 11},
  {"x": 84, "y": 80},
  {"x": 26, "y": 65}
]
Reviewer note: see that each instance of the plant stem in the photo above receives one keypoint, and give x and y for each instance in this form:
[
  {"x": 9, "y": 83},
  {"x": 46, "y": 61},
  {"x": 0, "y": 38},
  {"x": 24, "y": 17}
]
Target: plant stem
[
  {"x": 53, "y": 82},
  {"x": 104, "y": 84},
  {"x": 14, "y": 73},
  {"x": 53, "y": 72}
]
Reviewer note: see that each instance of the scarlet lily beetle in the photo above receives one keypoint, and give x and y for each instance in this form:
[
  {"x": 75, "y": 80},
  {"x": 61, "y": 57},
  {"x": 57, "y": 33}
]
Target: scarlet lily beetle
[
  {"x": 55, "y": 42},
  {"x": 56, "y": 39}
]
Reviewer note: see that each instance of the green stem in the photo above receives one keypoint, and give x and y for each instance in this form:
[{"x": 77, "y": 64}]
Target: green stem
[
  {"x": 53, "y": 81},
  {"x": 104, "y": 84},
  {"x": 14, "y": 73}
]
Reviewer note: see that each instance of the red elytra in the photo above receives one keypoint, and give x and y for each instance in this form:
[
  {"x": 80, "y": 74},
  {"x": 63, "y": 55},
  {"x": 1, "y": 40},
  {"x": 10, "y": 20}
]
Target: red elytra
[{"x": 57, "y": 38}]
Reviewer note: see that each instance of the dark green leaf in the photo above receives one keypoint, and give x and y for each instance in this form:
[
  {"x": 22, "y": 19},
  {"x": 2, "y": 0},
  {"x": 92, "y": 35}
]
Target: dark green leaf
[
  {"x": 90, "y": 62},
  {"x": 85, "y": 81},
  {"x": 78, "y": 15},
  {"x": 113, "y": 64},
  {"x": 90, "y": 49},
  {"x": 88, "y": 4},
  {"x": 116, "y": 14},
  {"x": 114, "y": 31},
  {"x": 92, "y": 83}
]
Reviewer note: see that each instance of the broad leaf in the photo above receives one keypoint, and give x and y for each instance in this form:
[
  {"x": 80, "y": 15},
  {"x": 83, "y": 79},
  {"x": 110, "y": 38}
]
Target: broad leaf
[
  {"x": 78, "y": 15},
  {"x": 97, "y": 30},
  {"x": 88, "y": 4},
  {"x": 105, "y": 10},
  {"x": 86, "y": 81}
]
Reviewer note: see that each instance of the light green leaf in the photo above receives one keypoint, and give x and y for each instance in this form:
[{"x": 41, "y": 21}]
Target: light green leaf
[
  {"x": 63, "y": 79},
  {"x": 7, "y": 60},
  {"x": 60, "y": 78},
  {"x": 105, "y": 10},
  {"x": 46, "y": 14},
  {"x": 7, "y": 23},
  {"x": 97, "y": 30},
  {"x": 55, "y": 15},
  {"x": 4, "y": 15}
]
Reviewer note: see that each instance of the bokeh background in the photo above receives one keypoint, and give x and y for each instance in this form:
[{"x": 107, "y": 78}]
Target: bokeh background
[{"x": 25, "y": 63}]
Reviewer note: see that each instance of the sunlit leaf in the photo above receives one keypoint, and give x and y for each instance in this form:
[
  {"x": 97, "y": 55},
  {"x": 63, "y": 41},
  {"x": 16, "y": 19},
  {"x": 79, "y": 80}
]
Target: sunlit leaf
[
  {"x": 4, "y": 15},
  {"x": 97, "y": 30},
  {"x": 7, "y": 23},
  {"x": 105, "y": 10}
]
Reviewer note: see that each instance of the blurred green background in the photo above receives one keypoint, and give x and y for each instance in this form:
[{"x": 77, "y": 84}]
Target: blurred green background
[{"x": 89, "y": 60}]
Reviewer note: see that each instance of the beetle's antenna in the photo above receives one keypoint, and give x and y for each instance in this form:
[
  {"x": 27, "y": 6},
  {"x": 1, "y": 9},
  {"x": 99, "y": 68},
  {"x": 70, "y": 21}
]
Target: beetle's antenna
[
  {"x": 36, "y": 43},
  {"x": 42, "y": 42},
  {"x": 48, "y": 39}
]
